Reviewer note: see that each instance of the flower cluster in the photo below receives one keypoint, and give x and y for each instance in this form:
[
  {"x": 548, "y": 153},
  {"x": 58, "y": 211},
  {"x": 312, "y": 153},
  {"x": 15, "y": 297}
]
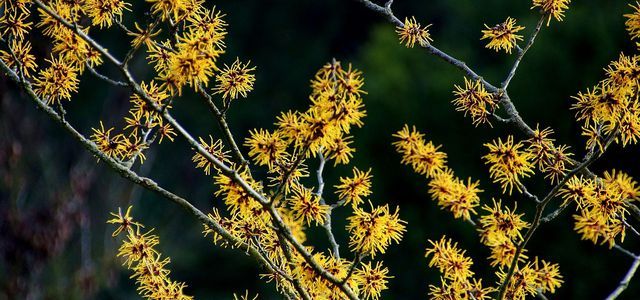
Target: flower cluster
[
  {"x": 534, "y": 277},
  {"x": 140, "y": 256},
  {"x": 372, "y": 232},
  {"x": 475, "y": 101},
  {"x": 354, "y": 189},
  {"x": 601, "y": 205},
  {"x": 323, "y": 132},
  {"x": 452, "y": 193},
  {"x": 611, "y": 109},
  {"x": 503, "y": 36},
  {"x": 550, "y": 159},
  {"x": 508, "y": 163},
  {"x": 501, "y": 230},
  {"x": 457, "y": 280}
]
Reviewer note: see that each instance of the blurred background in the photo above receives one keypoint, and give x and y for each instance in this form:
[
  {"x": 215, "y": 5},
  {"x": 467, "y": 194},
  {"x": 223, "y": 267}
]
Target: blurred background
[{"x": 55, "y": 198}]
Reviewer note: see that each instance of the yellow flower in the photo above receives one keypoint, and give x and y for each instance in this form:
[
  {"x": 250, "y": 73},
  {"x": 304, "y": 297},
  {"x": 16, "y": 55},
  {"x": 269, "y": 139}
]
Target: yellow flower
[
  {"x": 623, "y": 184},
  {"x": 453, "y": 194},
  {"x": 15, "y": 25},
  {"x": 372, "y": 279},
  {"x": 633, "y": 21},
  {"x": 523, "y": 283},
  {"x": 216, "y": 149},
  {"x": 166, "y": 131},
  {"x": 124, "y": 221},
  {"x": 235, "y": 80},
  {"x": 339, "y": 149},
  {"x": 548, "y": 276},
  {"x": 143, "y": 36},
  {"x": 138, "y": 246},
  {"x": 76, "y": 51},
  {"x": 67, "y": 10},
  {"x": 184, "y": 67},
  {"x": 22, "y": 51},
  {"x": 156, "y": 94},
  {"x": 450, "y": 260},
  {"x": 266, "y": 148},
  {"x": 578, "y": 190},
  {"x": 502, "y": 36},
  {"x": 290, "y": 124},
  {"x": 412, "y": 32},
  {"x": 501, "y": 222},
  {"x": 306, "y": 206},
  {"x": 354, "y": 189},
  {"x": 423, "y": 157},
  {"x": 552, "y": 8},
  {"x": 104, "y": 12},
  {"x": 168, "y": 9},
  {"x": 372, "y": 232},
  {"x": 503, "y": 251},
  {"x": 238, "y": 200},
  {"x": 111, "y": 146},
  {"x": 57, "y": 81},
  {"x": 133, "y": 147},
  {"x": 508, "y": 163},
  {"x": 474, "y": 100}
]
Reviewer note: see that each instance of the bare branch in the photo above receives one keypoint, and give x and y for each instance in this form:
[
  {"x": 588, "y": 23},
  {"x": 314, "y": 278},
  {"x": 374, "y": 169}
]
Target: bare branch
[
  {"x": 105, "y": 78},
  {"x": 624, "y": 283},
  {"x": 522, "y": 52}
]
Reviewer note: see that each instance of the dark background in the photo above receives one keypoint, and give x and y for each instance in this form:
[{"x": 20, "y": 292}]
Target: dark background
[{"x": 55, "y": 198}]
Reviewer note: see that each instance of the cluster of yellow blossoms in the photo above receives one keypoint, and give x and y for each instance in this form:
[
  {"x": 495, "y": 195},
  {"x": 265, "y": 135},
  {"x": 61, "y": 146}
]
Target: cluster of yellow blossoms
[
  {"x": 601, "y": 205},
  {"x": 500, "y": 228},
  {"x": 322, "y": 131},
  {"x": 183, "y": 40},
  {"x": 272, "y": 219},
  {"x": 475, "y": 101},
  {"x": 610, "y": 112},
  {"x": 140, "y": 256},
  {"x": 452, "y": 193}
]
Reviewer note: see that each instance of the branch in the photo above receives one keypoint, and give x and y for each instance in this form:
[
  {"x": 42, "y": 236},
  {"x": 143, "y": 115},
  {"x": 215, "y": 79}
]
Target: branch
[
  {"x": 352, "y": 268},
  {"x": 105, "y": 78},
  {"x": 222, "y": 122},
  {"x": 327, "y": 223},
  {"x": 388, "y": 13},
  {"x": 549, "y": 217},
  {"x": 121, "y": 169},
  {"x": 624, "y": 283},
  {"x": 625, "y": 251},
  {"x": 522, "y": 52}
]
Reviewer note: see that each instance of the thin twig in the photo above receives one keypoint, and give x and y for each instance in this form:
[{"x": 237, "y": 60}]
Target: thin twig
[
  {"x": 522, "y": 52},
  {"x": 630, "y": 227},
  {"x": 327, "y": 223},
  {"x": 222, "y": 123},
  {"x": 625, "y": 251},
  {"x": 353, "y": 267},
  {"x": 624, "y": 283},
  {"x": 105, "y": 78},
  {"x": 549, "y": 217}
]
